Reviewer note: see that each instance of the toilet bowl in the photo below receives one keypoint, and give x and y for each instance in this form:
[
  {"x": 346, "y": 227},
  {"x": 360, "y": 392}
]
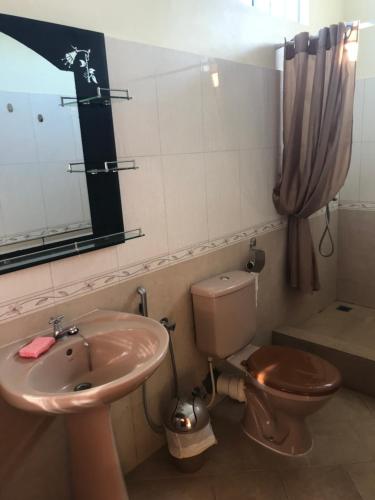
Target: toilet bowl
[{"x": 281, "y": 386}]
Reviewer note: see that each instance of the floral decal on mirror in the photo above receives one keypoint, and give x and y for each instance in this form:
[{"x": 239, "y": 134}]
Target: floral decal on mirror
[{"x": 69, "y": 60}]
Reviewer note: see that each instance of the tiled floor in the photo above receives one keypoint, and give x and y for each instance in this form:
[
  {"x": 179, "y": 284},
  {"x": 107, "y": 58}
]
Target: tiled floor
[{"x": 341, "y": 465}]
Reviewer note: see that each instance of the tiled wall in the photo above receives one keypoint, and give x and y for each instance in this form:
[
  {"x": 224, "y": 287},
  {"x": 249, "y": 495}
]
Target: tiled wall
[
  {"x": 207, "y": 155},
  {"x": 356, "y": 247},
  {"x": 208, "y": 158},
  {"x": 356, "y": 263},
  {"x": 359, "y": 187}
]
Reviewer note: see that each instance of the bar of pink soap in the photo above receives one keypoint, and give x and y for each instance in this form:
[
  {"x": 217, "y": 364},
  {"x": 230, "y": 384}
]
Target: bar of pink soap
[{"x": 36, "y": 347}]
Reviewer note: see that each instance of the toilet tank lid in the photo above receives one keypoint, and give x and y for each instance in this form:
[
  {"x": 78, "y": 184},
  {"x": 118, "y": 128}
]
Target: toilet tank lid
[{"x": 222, "y": 284}]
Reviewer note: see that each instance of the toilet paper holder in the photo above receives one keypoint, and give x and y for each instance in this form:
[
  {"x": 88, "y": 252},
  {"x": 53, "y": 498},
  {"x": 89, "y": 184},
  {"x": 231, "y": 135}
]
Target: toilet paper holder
[{"x": 257, "y": 258}]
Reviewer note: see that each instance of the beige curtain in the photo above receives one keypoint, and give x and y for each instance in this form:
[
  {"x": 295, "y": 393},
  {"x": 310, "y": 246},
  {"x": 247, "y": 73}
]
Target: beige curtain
[{"x": 319, "y": 80}]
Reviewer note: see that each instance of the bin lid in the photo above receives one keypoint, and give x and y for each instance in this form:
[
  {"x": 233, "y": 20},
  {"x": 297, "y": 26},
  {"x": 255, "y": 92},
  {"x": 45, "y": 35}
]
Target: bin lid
[{"x": 186, "y": 415}]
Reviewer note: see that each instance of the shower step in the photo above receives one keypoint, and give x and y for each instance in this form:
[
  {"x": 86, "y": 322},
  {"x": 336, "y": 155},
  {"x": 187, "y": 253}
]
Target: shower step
[{"x": 356, "y": 363}]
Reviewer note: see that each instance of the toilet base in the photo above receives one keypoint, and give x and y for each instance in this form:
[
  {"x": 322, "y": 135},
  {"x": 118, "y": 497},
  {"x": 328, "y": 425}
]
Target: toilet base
[
  {"x": 276, "y": 420},
  {"x": 287, "y": 447}
]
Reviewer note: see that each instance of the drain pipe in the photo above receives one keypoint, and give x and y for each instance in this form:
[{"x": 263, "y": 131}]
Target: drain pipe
[
  {"x": 232, "y": 386},
  {"x": 170, "y": 327},
  {"x": 225, "y": 384}
]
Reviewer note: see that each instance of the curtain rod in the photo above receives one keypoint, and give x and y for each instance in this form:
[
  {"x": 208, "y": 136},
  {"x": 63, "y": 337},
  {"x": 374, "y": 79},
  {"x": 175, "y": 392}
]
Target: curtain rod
[{"x": 361, "y": 25}]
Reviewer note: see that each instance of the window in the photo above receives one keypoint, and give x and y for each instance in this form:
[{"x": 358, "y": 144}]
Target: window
[{"x": 294, "y": 10}]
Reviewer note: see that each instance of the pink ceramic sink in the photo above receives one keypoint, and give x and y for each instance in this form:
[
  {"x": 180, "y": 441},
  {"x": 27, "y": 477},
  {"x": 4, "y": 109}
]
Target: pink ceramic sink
[{"x": 123, "y": 351}]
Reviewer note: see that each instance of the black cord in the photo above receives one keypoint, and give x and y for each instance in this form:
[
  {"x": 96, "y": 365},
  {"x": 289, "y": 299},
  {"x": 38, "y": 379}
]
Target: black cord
[{"x": 327, "y": 231}]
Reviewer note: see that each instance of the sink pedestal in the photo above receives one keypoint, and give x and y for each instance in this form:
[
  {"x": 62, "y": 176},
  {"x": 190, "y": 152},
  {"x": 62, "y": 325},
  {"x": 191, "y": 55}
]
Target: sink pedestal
[{"x": 95, "y": 467}]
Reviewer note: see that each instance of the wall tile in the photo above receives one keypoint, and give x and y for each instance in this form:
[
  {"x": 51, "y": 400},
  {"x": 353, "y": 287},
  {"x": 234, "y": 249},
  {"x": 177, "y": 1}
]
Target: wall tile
[
  {"x": 25, "y": 282},
  {"x": 258, "y": 169},
  {"x": 82, "y": 267},
  {"x": 185, "y": 198},
  {"x": 252, "y": 117},
  {"x": 180, "y": 104},
  {"x": 136, "y": 121},
  {"x": 168, "y": 61},
  {"x": 358, "y": 110},
  {"x": 272, "y": 109},
  {"x": 142, "y": 195},
  {"x": 223, "y": 193},
  {"x": 350, "y": 191},
  {"x": 221, "y": 105},
  {"x": 128, "y": 61},
  {"x": 368, "y": 131},
  {"x": 356, "y": 264},
  {"x": 367, "y": 182}
]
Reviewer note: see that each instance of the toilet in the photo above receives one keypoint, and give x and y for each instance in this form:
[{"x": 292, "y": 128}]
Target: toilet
[{"x": 281, "y": 386}]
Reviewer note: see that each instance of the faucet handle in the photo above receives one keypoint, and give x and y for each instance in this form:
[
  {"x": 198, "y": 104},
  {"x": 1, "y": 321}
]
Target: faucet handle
[{"x": 57, "y": 320}]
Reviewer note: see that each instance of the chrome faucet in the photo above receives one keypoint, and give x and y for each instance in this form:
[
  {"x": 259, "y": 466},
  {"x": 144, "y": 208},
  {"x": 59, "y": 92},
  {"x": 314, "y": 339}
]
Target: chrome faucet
[{"x": 58, "y": 330}]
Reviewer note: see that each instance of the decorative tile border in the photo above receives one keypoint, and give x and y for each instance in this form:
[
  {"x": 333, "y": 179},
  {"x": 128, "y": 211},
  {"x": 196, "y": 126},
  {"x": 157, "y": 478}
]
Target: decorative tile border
[
  {"x": 357, "y": 205},
  {"x": 44, "y": 233},
  {"x": 27, "y": 304},
  {"x": 30, "y": 303}
]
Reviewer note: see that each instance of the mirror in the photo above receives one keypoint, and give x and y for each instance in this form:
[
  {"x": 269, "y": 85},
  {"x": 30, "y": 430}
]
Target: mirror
[
  {"x": 55, "y": 112},
  {"x": 40, "y": 202}
]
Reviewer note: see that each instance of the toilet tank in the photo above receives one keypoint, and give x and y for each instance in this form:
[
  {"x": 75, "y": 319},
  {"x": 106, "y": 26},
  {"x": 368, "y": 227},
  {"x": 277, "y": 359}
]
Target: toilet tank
[{"x": 224, "y": 313}]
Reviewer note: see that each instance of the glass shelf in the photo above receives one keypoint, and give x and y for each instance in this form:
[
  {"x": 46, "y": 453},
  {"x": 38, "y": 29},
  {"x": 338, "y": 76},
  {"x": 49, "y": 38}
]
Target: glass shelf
[
  {"x": 75, "y": 248},
  {"x": 103, "y": 97},
  {"x": 109, "y": 166}
]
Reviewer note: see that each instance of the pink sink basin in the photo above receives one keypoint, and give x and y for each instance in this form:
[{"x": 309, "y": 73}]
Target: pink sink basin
[
  {"x": 125, "y": 349},
  {"x": 117, "y": 353}
]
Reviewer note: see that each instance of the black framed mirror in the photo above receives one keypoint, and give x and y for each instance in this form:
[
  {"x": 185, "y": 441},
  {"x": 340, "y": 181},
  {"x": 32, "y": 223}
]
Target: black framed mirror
[{"x": 59, "y": 187}]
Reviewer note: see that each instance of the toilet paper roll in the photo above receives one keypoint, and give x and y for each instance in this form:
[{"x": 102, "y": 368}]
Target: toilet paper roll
[{"x": 257, "y": 260}]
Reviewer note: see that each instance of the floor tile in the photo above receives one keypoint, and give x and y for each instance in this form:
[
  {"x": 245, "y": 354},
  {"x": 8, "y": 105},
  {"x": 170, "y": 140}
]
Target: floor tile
[
  {"x": 337, "y": 443},
  {"x": 369, "y": 402},
  {"x": 345, "y": 405},
  {"x": 158, "y": 466},
  {"x": 365, "y": 429},
  {"x": 320, "y": 483},
  {"x": 171, "y": 489},
  {"x": 255, "y": 485},
  {"x": 340, "y": 466},
  {"x": 363, "y": 476}
]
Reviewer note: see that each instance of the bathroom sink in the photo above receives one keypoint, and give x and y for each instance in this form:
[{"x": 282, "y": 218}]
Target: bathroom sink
[
  {"x": 123, "y": 350},
  {"x": 80, "y": 376}
]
